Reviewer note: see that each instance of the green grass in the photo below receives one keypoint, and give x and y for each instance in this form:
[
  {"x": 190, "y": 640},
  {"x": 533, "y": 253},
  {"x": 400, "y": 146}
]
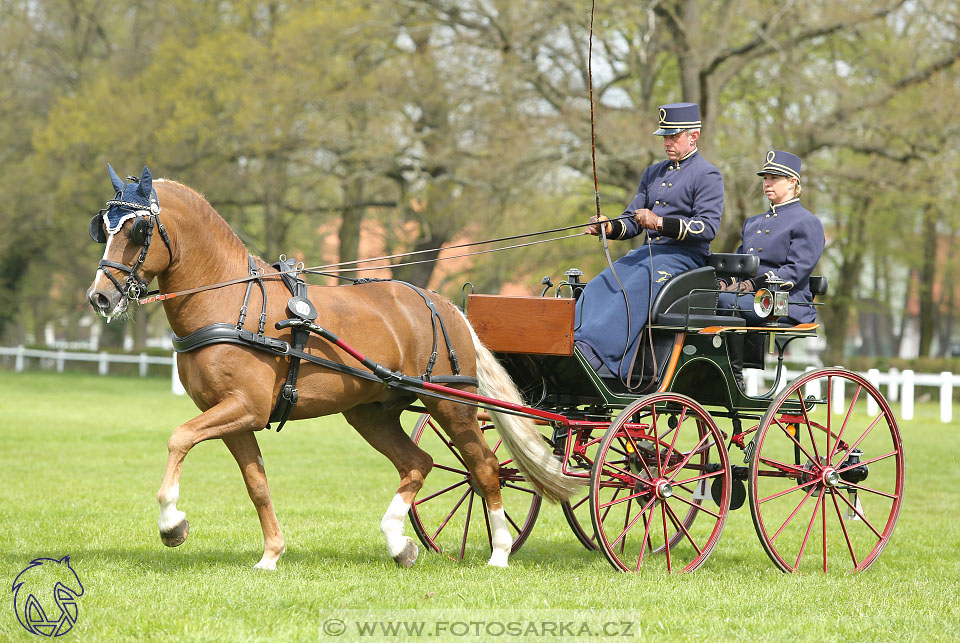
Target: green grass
[{"x": 83, "y": 457}]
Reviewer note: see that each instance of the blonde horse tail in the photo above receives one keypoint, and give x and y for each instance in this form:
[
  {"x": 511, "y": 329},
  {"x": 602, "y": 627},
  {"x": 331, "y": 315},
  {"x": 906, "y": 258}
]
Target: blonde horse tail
[{"x": 530, "y": 452}]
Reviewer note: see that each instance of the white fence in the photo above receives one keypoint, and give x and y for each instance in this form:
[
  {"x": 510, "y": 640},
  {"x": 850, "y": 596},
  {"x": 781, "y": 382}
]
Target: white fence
[
  {"x": 103, "y": 360},
  {"x": 899, "y": 385}
]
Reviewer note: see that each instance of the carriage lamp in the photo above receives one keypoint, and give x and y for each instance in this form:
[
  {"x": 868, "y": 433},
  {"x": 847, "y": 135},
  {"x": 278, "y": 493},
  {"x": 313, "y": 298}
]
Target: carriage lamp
[
  {"x": 763, "y": 303},
  {"x": 573, "y": 280}
]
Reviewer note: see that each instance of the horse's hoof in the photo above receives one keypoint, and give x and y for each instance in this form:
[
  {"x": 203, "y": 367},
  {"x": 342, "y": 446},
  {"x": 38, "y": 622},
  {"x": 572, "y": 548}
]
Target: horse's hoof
[
  {"x": 176, "y": 536},
  {"x": 408, "y": 556}
]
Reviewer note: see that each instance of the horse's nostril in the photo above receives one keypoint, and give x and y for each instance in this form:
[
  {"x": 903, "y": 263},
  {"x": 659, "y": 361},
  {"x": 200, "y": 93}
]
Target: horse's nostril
[{"x": 99, "y": 301}]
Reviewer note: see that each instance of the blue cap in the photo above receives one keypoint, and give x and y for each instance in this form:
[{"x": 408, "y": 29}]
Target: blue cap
[
  {"x": 782, "y": 164},
  {"x": 676, "y": 117}
]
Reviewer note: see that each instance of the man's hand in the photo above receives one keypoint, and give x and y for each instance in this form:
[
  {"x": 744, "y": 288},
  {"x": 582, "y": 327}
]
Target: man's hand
[
  {"x": 594, "y": 227},
  {"x": 647, "y": 219}
]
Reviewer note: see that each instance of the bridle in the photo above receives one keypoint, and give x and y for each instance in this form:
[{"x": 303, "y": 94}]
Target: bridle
[{"x": 141, "y": 233}]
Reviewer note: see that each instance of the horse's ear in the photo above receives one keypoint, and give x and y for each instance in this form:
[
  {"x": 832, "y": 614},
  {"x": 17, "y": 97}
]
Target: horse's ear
[
  {"x": 117, "y": 183},
  {"x": 146, "y": 183}
]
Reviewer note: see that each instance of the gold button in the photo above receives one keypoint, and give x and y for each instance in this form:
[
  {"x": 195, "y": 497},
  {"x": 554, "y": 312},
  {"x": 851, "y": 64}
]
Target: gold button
[
  {"x": 768, "y": 216},
  {"x": 759, "y": 249},
  {"x": 766, "y": 232},
  {"x": 657, "y": 203},
  {"x": 774, "y": 215},
  {"x": 751, "y": 249},
  {"x": 664, "y": 184},
  {"x": 670, "y": 185},
  {"x": 758, "y": 232}
]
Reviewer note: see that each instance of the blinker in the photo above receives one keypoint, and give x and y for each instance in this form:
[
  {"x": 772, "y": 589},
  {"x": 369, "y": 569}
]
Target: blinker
[
  {"x": 139, "y": 230},
  {"x": 137, "y": 234},
  {"x": 97, "y": 231}
]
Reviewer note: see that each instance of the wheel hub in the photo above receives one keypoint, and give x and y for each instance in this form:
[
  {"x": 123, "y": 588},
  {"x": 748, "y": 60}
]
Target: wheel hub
[
  {"x": 830, "y": 477},
  {"x": 664, "y": 489}
]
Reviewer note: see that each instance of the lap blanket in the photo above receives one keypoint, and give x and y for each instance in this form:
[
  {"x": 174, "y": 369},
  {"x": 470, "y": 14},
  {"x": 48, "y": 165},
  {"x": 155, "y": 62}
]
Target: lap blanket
[{"x": 603, "y": 329}]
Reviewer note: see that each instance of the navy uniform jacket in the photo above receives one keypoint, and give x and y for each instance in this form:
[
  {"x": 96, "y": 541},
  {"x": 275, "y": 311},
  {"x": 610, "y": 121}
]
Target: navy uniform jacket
[
  {"x": 690, "y": 191},
  {"x": 789, "y": 240},
  {"x": 689, "y": 195}
]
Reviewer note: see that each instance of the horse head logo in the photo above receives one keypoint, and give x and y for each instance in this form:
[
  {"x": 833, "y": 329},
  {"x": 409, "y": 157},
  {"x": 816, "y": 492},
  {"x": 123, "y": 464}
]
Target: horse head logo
[{"x": 32, "y": 591}]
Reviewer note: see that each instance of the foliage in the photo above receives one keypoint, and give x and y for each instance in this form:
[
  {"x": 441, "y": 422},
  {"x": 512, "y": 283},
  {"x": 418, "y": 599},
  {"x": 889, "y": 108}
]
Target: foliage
[{"x": 334, "y": 130}]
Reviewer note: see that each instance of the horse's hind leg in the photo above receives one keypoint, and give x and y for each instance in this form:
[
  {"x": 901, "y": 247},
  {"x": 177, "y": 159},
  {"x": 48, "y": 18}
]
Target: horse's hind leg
[
  {"x": 246, "y": 451},
  {"x": 460, "y": 423},
  {"x": 381, "y": 428}
]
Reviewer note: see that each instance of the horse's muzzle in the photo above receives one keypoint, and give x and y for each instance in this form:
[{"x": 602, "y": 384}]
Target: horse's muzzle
[{"x": 103, "y": 303}]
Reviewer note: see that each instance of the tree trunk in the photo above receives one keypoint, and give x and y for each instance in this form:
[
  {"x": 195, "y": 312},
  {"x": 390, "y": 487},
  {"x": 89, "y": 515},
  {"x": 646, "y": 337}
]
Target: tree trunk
[
  {"x": 928, "y": 273},
  {"x": 350, "y": 223}
]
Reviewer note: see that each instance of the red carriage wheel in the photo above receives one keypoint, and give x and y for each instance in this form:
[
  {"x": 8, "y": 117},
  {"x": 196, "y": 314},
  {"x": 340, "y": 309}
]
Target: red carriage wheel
[
  {"x": 449, "y": 515},
  {"x": 826, "y": 477},
  {"x": 650, "y": 486}
]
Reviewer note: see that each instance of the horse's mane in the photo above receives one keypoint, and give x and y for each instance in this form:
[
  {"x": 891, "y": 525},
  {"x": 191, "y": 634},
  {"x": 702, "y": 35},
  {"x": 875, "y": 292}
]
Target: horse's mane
[{"x": 199, "y": 205}]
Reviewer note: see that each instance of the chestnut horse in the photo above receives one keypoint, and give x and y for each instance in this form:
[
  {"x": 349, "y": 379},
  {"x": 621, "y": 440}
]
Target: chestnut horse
[{"x": 235, "y": 386}]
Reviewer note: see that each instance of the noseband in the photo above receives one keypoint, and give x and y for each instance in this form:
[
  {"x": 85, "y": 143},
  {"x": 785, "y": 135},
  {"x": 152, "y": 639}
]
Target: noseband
[{"x": 141, "y": 232}]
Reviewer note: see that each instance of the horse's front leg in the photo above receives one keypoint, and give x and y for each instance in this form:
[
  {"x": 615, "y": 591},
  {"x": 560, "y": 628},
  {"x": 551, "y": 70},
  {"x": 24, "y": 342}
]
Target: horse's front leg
[
  {"x": 245, "y": 449},
  {"x": 231, "y": 415}
]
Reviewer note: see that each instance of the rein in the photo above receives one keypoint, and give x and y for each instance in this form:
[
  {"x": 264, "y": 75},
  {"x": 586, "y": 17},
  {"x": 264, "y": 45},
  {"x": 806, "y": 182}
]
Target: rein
[{"x": 345, "y": 266}]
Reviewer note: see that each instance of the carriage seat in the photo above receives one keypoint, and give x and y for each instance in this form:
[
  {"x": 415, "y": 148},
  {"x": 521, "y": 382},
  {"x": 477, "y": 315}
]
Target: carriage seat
[
  {"x": 733, "y": 264},
  {"x": 696, "y": 291},
  {"x": 818, "y": 285}
]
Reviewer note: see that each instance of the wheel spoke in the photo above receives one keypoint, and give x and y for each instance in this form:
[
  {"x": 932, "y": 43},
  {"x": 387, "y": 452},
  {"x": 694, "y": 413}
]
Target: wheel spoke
[
  {"x": 846, "y": 536},
  {"x": 643, "y": 512},
  {"x": 865, "y": 433},
  {"x": 676, "y": 431},
  {"x": 787, "y": 433},
  {"x": 443, "y": 467},
  {"x": 806, "y": 536},
  {"x": 698, "y": 507},
  {"x": 447, "y": 443},
  {"x": 420, "y": 501},
  {"x": 794, "y": 513},
  {"x": 806, "y": 421},
  {"x": 679, "y": 525},
  {"x": 466, "y": 527},
  {"x": 862, "y": 517},
  {"x": 666, "y": 540},
  {"x": 790, "y": 490},
  {"x": 452, "y": 511},
  {"x": 846, "y": 419},
  {"x": 782, "y": 466}
]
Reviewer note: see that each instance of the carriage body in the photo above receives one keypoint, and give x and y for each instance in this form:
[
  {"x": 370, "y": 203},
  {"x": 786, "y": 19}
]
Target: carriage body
[{"x": 669, "y": 459}]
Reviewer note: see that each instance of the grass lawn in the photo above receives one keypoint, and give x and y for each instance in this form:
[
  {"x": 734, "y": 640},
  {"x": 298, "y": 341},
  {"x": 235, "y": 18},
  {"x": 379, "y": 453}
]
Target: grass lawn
[{"x": 83, "y": 457}]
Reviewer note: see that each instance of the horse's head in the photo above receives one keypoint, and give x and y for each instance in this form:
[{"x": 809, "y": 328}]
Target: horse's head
[{"x": 126, "y": 227}]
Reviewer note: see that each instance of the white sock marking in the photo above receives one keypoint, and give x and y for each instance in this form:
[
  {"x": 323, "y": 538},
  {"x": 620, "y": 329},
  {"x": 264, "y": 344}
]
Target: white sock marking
[
  {"x": 392, "y": 525},
  {"x": 502, "y": 541},
  {"x": 170, "y": 517}
]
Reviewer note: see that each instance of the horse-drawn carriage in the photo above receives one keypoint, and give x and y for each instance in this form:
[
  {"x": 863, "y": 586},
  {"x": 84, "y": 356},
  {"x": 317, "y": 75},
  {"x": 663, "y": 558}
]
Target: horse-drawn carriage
[
  {"x": 824, "y": 473},
  {"x": 648, "y": 473}
]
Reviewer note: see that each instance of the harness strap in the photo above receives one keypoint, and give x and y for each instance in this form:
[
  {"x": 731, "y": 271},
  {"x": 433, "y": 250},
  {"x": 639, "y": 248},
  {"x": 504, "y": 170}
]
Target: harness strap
[
  {"x": 435, "y": 317},
  {"x": 224, "y": 333},
  {"x": 289, "y": 395}
]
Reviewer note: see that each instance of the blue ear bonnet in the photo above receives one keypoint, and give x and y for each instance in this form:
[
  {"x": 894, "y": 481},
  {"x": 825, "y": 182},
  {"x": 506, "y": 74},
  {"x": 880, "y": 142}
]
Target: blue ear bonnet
[{"x": 136, "y": 198}]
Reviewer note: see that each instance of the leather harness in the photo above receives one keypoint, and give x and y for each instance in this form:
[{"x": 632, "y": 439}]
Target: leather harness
[{"x": 301, "y": 326}]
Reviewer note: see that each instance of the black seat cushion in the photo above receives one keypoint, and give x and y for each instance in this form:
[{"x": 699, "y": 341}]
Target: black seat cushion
[{"x": 732, "y": 264}]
